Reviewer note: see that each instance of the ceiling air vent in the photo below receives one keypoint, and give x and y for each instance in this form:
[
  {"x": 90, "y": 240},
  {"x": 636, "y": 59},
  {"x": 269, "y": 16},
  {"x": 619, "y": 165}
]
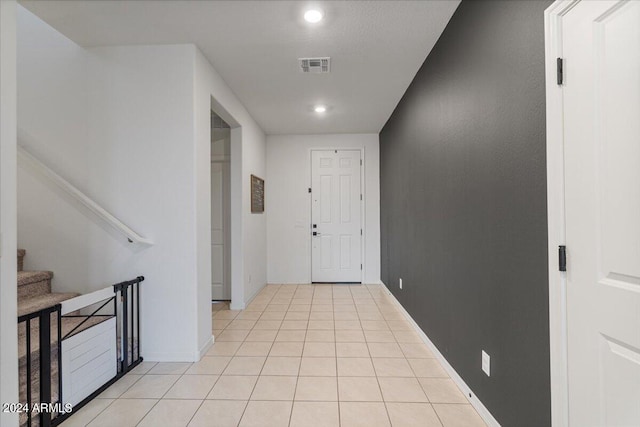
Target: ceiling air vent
[{"x": 315, "y": 65}]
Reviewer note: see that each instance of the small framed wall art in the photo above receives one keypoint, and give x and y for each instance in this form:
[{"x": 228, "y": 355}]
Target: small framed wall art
[{"x": 257, "y": 194}]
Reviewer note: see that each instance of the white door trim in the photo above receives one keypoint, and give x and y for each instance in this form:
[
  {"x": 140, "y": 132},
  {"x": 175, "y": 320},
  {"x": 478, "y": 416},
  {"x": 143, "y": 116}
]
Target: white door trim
[
  {"x": 556, "y": 213},
  {"x": 362, "y": 205},
  {"x": 236, "y": 246}
]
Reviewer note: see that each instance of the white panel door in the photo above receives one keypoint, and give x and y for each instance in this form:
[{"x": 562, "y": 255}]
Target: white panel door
[
  {"x": 336, "y": 249},
  {"x": 220, "y": 286},
  {"x": 601, "y": 49}
]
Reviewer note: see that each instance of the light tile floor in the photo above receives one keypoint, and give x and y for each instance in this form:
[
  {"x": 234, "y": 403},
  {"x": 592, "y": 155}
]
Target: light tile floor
[{"x": 299, "y": 355}]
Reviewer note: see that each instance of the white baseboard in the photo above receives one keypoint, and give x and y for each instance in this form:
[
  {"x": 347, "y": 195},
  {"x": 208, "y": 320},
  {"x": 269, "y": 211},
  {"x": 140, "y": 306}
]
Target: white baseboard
[
  {"x": 205, "y": 347},
  {"x": 169, "y": 357},
  {"x": 469, "y": 394},
  {"x": 179, "y": 356},
  {"x": 249, "y": 300},
  {"x": 237, "y": 306}
]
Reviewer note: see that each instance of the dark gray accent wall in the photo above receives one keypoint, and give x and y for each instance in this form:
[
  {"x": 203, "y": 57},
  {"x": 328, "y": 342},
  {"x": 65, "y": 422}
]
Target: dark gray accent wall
[{"x": 463, "y": 204}]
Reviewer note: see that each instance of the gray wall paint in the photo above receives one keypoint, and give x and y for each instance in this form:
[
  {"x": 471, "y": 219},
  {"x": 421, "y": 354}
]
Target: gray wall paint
[{"x": 463, "y": 204}]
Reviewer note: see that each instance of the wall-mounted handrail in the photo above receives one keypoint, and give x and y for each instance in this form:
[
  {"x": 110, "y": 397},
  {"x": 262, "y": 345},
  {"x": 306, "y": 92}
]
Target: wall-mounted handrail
[{"x": 27, "y": 159}]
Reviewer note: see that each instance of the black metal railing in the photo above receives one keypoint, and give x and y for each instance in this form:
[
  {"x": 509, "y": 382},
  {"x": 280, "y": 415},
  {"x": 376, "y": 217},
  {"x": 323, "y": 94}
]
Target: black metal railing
[
  {"x": 87, "y": 317},
  {"x": 33, "y": 404},
  {"x": 41, "y": 398},
  {"x": 129, "y": 292}
]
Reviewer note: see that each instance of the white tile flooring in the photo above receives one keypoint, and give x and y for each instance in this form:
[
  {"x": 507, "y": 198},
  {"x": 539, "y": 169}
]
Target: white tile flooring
[{"x": 299, "y": 355}]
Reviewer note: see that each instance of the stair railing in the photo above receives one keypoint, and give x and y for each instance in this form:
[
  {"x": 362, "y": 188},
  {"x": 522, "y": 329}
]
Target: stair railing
[
  {"x": 129, "y": 292},
  {"x": 26, "y": 159},
  {"x": 43, "y": 407},
  {"x": 52, "y": 410}
]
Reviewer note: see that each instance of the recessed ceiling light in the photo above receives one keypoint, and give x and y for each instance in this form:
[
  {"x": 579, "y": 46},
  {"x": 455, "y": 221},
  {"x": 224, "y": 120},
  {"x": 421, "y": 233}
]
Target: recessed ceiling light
[
  {"x": 313, "y": 16},
  {"x": 319, "y": 108}
]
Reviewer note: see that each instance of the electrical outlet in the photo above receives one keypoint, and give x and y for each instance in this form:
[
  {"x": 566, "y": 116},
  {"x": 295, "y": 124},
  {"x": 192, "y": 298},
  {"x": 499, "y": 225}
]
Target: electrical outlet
[
  {"x": 400, "y": 281},
  {"x": 486, "y": 363}
]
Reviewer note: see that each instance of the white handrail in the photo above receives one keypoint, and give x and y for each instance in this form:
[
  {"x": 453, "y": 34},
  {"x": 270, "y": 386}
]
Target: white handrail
[{"x": 27, "y": 159}]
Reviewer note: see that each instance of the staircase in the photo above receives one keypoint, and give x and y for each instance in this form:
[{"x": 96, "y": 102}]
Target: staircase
[
  {"x": 34, "y": 289},
  {"x": 34, "y": 294}
]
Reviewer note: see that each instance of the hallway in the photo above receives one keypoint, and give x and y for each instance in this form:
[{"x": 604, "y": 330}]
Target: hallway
[{"x": 299, "y": 355}]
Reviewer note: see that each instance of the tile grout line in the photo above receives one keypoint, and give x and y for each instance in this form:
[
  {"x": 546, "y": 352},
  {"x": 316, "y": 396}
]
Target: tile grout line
[
  {"x": 198, "y": 408},
  {"x": 385, "y": 297},
  {"x": 165, "y": 393},
  {"x": 232, "y": 356},
  {"x": 295, "y": 389},
  {"x": 261, "y": 369},
  {"x": 98, "y": 414},
  {"x": 335, "y": 340},
  {"x": 412, "y": 369},
  {"x": 362, "y": 302},
  {"x": 384, "y": 402},
  {"x": 117, "y": 398}
]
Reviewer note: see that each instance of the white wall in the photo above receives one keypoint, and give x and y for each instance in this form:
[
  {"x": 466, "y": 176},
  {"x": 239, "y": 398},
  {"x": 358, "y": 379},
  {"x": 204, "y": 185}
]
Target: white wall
[
  {"x": 248, "y": 231},
  {"x": 255, "y": 224},
  {"x": 123, "y": 131},
  {"x": 289, "y": 210},
  {"x": 142, "y": 137},
  {"x": 53, "y": 116},
  {"x": 124, "y": 135},
  {"x": 8, "y": 313},
  {"x": 130, "y": 126}
]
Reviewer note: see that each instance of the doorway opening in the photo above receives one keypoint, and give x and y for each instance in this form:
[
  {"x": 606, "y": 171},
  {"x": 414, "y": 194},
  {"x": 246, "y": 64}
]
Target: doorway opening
[{"x": 220, "y": 209}]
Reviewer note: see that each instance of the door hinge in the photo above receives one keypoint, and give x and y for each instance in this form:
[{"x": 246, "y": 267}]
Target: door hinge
[
  {"x": 559, "y": 71},
  {"x": 562, "y": 258},
  {"x": 360, "y": 162},
  {"x": 360, "y": 266},
  {"x": 361, "y": 197},
  {"x": 309, "y": 189},
  {"x": 361, "y": 231}
]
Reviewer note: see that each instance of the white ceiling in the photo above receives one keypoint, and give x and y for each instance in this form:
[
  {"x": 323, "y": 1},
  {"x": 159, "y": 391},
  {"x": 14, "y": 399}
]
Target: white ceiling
[{"x": 376, "y": 48}]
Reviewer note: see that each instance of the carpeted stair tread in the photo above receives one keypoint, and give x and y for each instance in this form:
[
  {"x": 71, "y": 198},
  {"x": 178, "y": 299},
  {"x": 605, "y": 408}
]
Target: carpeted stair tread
[
  {"x": 21, "y": 254},
  {"x": 28, "y": 277},
  {"x": 34, "y": 294},
  {"x": 33, "y": 283},
  {"x": 38, "y": 302}
]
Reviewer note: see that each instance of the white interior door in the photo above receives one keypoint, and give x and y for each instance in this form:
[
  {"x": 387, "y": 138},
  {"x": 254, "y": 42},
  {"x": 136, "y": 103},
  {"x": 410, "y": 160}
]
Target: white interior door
[
  {"x": 220, "y": 244},
  {"x": 336, "y": 198},
  {"x": 601, "y": 49}
]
